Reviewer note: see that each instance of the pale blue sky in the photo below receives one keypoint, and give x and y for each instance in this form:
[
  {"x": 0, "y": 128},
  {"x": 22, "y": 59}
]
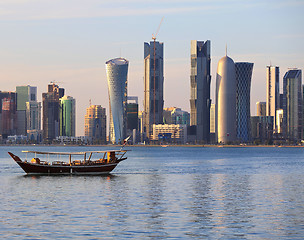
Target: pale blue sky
[{"x": 69, "y": 41}]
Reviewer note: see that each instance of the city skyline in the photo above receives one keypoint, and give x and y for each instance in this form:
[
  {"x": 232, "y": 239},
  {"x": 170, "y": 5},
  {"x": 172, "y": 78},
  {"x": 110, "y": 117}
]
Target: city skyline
[{"x": 42, "y": 44}]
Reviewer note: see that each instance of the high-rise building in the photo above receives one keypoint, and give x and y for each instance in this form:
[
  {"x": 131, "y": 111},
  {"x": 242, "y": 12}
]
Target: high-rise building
[
  {"x": 25, "y": 94},
  {"x": 261, "y": 108},
  {"x": 67, "y": 116},
  {"x": 95, "y": 123},
  {"x": 225, "y": 101},
  {"x": 243, "y": 83},
  {"x": 33, "y": 115},
  {"x": 117, "y": 72},
  {"x": 51, "y": 111},
  {"x": 132, "y": 113},
  {"x": 292, "y": 104},
  {"x": 153, "y": 85},
  {"x": 8, "y": 114},
  {"x": 7, "y": 95},
  {"x": 273, "y": 92},
  {"x": 200, "y": 80}
]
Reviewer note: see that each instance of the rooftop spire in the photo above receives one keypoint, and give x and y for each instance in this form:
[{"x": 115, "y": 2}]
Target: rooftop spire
[{"x": 226, "y": 49}]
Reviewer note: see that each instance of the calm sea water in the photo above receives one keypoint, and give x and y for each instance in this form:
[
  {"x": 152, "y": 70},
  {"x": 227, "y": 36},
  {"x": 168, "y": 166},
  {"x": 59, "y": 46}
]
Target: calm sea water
[{"x": 160, "y": 193}]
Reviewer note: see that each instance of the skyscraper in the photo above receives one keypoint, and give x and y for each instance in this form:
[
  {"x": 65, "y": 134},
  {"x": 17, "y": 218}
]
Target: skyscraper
[
  {"x": 67, "y": 116},
  {"x": 243, "y": 83},
  {"x": 51, "y": 111},
  {"x": 95, "y": 123},
  {"x": 33, "y": 115},
  {"x": 200, "y": 79},
  {"x": 154, "y": 85},
  {"x": 292, "y": 104},
  {"x": 273, "y": 92},
  {"x": 117, "y": 72},
  {"x": 24, "y": 94},
  {"x": 132, "y": 113},
  {"x": 8, "y": 116},
  {"x": 225, "y": 101}
]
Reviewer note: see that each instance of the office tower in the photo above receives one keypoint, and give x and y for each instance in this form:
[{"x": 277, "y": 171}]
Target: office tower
[
  {"x": 273, "y": 92},
  {"x": 243, "y": 82},
  {"x": 51, "y": 111},
  {"x": 117, "y": 72},
  {"x": 261, "y": 108},
  {"x": 33, "y": 115},
  {"x": 132, "y": 113},
  {"x": 67, "y": 116},
  {"x": 8, "y": 114},
  {"x": 154, "y": 85},
  {"x": 95, "y": 124},
  {"x": 225, "y": 101},
  {"x": 292, "y": 104},
  {"x": 174, "y": 115},
  {"x": 24, "y": 94},
  {"x": 200, "y": 79}
]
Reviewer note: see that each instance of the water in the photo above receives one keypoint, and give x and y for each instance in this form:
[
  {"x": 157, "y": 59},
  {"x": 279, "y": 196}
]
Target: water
[{"x": 160, "y": 193}]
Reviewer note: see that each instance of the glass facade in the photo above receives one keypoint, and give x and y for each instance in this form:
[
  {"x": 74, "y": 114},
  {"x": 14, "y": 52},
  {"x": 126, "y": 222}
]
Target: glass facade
[
  {"x": 243, "y": 73},
  {"x": 292, "y": 104},
  {"x": 51, "y": 111},
  {"x": 273, "y": 92},
  {"x": 117, "y": 71},
  {"x": 200, "y": 80},
  {"x": 154, "y": 85},
  {"x": 67, "y": 116}
]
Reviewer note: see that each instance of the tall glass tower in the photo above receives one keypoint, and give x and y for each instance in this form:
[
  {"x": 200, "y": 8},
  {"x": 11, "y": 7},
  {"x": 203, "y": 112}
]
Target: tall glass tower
[
  {"x": 273, "y": 92},
  {"x": 67, "y": 116},
  {"x": 200, "y": 79},
  {"x": 117, "y": 72},
  {"x": 51, "y": 111},
  {"x": 225, "y": 101},
  {"x": 292, "y": 104},
  {"x": 154, "y": 85},
  {"x": 243, "y": 72}
]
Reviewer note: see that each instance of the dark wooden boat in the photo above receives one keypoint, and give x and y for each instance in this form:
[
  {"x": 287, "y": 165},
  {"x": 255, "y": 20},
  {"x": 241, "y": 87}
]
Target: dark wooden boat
[{"x": 103, "y": 164}]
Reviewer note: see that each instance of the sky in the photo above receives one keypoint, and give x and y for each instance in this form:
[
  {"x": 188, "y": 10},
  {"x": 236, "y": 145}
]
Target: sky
[{"x": 69, "y": 41}]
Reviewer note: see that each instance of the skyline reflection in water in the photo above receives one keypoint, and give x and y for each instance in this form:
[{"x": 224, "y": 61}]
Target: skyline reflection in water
[{"x": 179, "y": 193}]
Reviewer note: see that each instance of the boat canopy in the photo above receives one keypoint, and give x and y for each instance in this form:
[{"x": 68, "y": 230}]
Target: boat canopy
[{"x": 73, "y": 153}]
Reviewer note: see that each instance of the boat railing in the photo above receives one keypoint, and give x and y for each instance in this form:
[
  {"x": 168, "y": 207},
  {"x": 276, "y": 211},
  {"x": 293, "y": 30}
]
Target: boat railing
[{"x": 110, "y": 156}]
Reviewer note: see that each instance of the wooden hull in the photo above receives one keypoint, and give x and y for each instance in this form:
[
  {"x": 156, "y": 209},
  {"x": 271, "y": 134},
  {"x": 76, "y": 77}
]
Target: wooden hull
[{"x": 32, "y": 168}]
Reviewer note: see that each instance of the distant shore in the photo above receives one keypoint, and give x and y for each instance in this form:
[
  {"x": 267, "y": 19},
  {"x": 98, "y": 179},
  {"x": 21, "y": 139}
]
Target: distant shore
[{"x": 154, "y": 145}]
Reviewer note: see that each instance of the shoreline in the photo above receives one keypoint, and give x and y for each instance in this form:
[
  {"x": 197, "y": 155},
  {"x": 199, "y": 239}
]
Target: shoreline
[{"x": 155, "y": 145}]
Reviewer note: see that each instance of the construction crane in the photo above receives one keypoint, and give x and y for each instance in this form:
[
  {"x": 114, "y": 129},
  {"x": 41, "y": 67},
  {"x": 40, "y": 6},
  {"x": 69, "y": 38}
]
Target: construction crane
[{"x": 154, "y": 67}]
